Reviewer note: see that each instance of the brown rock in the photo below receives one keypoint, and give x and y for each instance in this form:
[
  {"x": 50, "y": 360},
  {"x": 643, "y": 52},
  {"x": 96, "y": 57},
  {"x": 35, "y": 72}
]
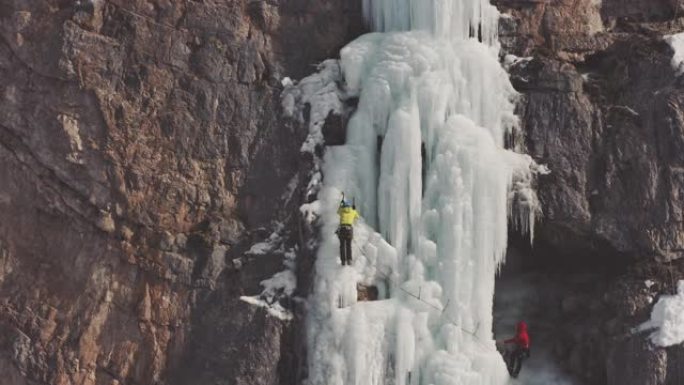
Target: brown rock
[
  {"x": 131, "y": 134},
  {"x": 366, "y": 293}
]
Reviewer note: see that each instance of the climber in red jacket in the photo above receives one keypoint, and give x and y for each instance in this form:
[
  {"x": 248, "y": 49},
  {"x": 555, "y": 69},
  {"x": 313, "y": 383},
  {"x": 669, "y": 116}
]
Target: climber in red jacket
[{"x": 522, "y": 349}]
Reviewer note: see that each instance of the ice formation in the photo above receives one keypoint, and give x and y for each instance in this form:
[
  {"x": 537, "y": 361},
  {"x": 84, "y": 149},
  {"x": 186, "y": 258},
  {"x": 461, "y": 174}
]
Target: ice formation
[
  {"x": 426, "y": 164},
  {"x": 667, "y": 318}
]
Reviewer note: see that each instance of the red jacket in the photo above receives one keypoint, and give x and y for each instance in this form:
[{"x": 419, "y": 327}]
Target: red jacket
[{"x": 522, "y": 339}]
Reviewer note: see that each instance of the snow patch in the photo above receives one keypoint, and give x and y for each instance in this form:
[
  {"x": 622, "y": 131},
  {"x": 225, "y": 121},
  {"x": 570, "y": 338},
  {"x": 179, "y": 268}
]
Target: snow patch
[
  {"x": 310, "y": 211},
  {"x": 321, "y": 93},
  {"x": 676, "y": 41},
  {"x": 276, "y": 310},
  {"x": 287, "y": 82},
  {"x": 512, "y": 61},
  {"x": 282, "y": 283},
  {"x": 278, "y": 290},
  {"x": 667, "y": 317},
  {"x": 270, "y": 244}
]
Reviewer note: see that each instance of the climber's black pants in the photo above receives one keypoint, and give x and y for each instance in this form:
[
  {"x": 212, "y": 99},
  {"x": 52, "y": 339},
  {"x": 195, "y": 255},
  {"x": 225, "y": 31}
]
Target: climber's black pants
[
  {"x": 517, "y": 358},
  {"x": 346, "y": 234}
]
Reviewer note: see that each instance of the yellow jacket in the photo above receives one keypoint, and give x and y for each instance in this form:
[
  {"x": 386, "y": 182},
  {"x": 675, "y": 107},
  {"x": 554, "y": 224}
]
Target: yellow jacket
[{"x": 347, "y": 215}]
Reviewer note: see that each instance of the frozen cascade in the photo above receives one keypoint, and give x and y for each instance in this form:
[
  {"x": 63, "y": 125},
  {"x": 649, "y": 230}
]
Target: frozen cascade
[{"x": 426, "y": 164}]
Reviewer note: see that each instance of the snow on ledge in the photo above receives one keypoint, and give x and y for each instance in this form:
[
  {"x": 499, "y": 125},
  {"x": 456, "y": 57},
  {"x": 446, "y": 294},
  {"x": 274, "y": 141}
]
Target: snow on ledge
[
  {"x": 276, "y": 310},
  {"x": 667, "y": 318},
  {"x": 676, "y": 41},
  {"x": 321, "y": 92},
  {"x": 272, "y": 243},
  {"x": 282, "y": 285},
  {"x": 512, "y": 60}
]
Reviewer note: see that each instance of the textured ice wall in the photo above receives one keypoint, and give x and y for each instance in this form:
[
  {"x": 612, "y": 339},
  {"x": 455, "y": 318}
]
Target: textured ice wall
[
  {"x": 453, "y": 20},
  {"x": 426, "y": 164}
]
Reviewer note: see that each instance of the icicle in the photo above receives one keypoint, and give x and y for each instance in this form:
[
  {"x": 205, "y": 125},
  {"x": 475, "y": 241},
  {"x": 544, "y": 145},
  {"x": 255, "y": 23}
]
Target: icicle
[{"x": 445, "y": 18}]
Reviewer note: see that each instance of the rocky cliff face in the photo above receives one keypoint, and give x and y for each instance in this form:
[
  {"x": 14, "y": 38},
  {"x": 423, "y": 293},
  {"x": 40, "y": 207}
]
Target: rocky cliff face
[
  {"x": 141, "y": 154},
  {"x": 603, "y": 107}
]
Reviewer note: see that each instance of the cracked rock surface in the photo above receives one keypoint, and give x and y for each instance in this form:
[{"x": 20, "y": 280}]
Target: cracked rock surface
[
  {"x": 141, "y": 154},
  {"x": 603, "y": 108}
]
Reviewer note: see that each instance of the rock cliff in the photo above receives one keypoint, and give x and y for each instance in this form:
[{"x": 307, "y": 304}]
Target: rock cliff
[
  {"x": 142, "y": 154},
  {"x": 603, "y": 107}
]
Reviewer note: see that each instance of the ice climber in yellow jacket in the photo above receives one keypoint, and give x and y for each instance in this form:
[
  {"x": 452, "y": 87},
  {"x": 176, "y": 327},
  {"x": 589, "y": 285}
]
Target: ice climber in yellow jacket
[{"x": 345, "y": 232}]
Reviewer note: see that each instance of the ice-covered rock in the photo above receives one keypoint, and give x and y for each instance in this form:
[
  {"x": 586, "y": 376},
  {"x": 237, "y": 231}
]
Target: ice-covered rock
[{"x": 667, "y": 319}]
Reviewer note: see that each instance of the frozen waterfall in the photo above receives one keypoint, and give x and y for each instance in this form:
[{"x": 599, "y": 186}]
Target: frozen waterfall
[{"x": 426, "y": 164}]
